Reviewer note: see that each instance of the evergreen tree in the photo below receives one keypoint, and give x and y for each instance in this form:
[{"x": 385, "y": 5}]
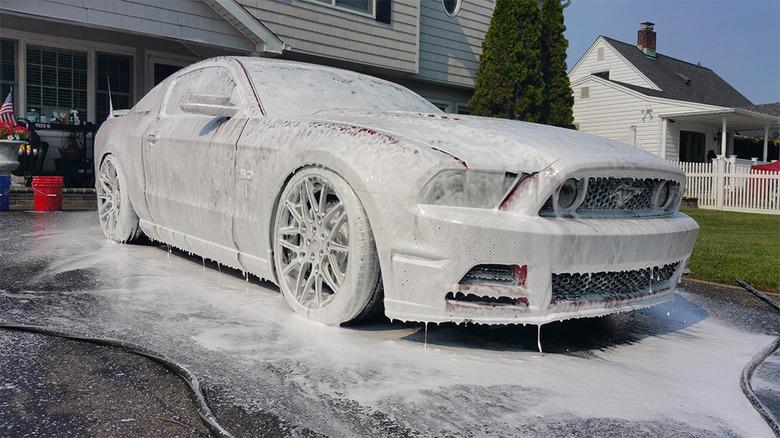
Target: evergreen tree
[
  {"x": 509, "y": 77},
  {"x": 558, "y": 99}
]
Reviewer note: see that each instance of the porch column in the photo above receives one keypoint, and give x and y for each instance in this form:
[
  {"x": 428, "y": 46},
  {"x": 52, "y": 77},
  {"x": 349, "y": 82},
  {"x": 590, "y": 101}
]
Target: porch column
[
  {"x": 723, "y": 139},
  {"x": 766, "y": 140},
  {"x": 664, "y": 126}
]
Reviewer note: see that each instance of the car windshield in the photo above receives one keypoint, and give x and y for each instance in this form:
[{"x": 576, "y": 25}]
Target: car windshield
[{"x": 288, "y": 89}]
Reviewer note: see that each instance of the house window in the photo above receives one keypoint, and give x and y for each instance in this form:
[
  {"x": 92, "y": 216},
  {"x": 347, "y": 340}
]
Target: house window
[
  {"x": 383, "y": 11},
  {"x": 56, "y": 80},
  {"x": 447, "y": 107},
  {"x": 600, "y": 54},
  {"x": 442, "y": 106},
  {"x": 362, "y": 6},
  {"x": 451, "y": 7},
  {"x": 162, "y": 71},
  {"x": 116, "y": 71},
  {"x": 7, "y": 68},
  {"x": 584, "y": 92}
]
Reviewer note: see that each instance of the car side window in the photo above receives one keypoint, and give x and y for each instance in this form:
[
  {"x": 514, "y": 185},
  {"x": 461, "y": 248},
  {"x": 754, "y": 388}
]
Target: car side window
[{"x": 209, "y": 81}]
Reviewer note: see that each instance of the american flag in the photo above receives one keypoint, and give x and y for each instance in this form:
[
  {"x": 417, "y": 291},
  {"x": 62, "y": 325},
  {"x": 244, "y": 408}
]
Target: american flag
[{"x": 7, "y": 110}]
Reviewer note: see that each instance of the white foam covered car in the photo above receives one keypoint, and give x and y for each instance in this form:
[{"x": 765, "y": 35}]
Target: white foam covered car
[{"x": 348, "y": 191}]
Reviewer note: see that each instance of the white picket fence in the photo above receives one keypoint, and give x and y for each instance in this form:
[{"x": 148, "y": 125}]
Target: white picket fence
[{"x": 728, "y": 184}]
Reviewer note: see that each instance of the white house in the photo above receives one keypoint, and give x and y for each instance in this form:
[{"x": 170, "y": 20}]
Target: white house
[{"x": 673, "y": 108}]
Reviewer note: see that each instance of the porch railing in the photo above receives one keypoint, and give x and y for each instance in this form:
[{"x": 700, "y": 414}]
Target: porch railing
[{"x": 725, "y": 184}]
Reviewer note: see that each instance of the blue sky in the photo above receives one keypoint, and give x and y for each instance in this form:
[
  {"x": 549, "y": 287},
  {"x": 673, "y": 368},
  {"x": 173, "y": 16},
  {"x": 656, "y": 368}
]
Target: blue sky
[{"x": 738, "y": 39}]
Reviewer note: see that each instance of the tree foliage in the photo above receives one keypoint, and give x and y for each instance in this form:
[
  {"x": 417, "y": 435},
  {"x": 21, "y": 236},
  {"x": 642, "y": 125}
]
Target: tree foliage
[
  {"x": 509, "y": 77},
  {"x": 558, "y": 99},
  {"x": 522, "y": 71}
]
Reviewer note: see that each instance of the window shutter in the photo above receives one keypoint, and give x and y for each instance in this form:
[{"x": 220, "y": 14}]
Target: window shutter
[{"x": 383, "y": 10}]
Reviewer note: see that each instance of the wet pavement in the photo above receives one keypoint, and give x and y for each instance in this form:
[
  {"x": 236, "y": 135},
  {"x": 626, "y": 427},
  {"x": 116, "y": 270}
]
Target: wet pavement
[
  {"x": 669, "y": 370},
  {"x": 56, "y": 387}
]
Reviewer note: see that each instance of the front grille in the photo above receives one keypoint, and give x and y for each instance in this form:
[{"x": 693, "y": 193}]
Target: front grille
[
  {"x": 604, "y": 286},
  {"x": 602, "y": 194},
  {"x": 609, "y": 196}
]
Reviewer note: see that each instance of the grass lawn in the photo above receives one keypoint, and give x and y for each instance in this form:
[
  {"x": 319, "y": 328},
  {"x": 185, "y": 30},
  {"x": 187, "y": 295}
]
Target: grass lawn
[{"x": 737, "y": 245}]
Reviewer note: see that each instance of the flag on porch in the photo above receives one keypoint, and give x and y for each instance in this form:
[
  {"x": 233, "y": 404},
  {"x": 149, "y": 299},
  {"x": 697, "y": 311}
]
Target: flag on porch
[{"x": 7, "y": 110}]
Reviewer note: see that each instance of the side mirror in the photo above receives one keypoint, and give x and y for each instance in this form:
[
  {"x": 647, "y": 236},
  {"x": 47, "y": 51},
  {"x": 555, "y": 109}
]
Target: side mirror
[{"x": 208, "y": 105}]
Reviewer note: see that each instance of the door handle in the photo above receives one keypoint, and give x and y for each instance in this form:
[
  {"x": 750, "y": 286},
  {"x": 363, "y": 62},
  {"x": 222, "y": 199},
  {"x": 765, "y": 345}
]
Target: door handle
[{"x": 151, "y": 138}]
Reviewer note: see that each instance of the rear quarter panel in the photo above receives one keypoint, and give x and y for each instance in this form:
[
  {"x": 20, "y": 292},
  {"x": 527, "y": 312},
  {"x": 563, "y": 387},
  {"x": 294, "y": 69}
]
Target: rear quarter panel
[{"x": 122, "y": 137}]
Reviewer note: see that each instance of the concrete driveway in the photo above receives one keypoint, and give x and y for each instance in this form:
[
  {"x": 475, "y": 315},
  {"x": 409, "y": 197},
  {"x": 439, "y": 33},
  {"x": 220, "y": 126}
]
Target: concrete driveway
[{"x": 668, "y": 370}]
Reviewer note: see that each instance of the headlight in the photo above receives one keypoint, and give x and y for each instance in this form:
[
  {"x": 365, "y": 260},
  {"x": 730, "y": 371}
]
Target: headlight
[
  {"x": 567, "y": 194},
  {"x": 567, "y": 198},
  {"x": 467, "y": 188}
]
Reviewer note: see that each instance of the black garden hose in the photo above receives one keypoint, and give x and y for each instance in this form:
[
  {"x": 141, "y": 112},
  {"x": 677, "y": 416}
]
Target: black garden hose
[
  {"x": 747, "y": 372},
  {"x": 759, "y": 294},
  {"x": 180, "y": 370}
]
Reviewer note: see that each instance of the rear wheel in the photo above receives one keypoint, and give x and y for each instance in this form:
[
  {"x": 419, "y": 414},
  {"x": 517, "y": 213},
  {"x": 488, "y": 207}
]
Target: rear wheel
[
  {"x": 117, "y": 216},
  {"x": 324, "y": 251}
]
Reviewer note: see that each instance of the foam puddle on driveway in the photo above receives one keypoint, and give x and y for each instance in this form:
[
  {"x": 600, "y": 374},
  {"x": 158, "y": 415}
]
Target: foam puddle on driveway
[{"x": 666, "y": 370}]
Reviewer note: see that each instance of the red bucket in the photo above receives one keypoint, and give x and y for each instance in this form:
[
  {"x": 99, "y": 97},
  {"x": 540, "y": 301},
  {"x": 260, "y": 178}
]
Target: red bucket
[{"x": 47, "y": 193}]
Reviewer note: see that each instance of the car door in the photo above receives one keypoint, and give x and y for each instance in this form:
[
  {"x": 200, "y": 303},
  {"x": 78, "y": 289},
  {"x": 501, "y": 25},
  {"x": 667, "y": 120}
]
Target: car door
[{"x": 189, "y": 162}]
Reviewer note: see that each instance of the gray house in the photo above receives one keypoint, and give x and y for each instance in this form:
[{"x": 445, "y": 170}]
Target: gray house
[{"x": 56, "y": 55}]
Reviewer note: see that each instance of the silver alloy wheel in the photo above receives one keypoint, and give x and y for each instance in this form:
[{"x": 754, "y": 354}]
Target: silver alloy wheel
[
  {"x": 109, "y": 197},
  {"x": 313, "y": 237}
]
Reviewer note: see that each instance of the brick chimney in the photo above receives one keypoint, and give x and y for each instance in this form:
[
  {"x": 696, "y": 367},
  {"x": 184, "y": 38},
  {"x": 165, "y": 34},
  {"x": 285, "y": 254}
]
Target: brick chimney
[{"x": 645, "y": 39}]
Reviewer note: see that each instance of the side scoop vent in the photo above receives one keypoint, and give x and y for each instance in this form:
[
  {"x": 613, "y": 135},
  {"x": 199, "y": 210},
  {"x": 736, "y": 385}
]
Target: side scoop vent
[
  {"x": 491, "y": 286},
  {"x": 510, "y": 275},
  {"x": 486, "y": 300}
]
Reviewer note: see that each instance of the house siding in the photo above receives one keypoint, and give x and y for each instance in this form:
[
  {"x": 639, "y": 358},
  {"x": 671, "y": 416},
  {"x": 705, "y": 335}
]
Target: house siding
[
  {"x": 422, "y": 47},
  {"x": 619, "y": 69},
  {"x": 450, "y": 46},
  {"x": 421, "y": 43},
  {"x": 190, "y": 20},
  {"x": 610, "y": 111},
  {"x": 314, "y": 29}
]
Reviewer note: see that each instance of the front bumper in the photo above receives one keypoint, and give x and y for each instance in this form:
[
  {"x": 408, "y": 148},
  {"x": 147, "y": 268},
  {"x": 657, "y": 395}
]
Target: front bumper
[{"x": 448, "y": 242}]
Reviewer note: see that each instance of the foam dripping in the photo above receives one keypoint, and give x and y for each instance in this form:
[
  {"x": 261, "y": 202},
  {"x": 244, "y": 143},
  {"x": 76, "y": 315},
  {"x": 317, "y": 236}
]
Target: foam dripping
[{"x": 539, "y": 337}]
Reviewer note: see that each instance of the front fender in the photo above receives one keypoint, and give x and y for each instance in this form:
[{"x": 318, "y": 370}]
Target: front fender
[{"x": 385, "y": 172}]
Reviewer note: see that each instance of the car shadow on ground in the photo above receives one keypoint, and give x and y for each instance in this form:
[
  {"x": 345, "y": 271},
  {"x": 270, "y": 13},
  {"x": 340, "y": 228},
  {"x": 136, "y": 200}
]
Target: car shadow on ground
[
  {"x": 577, "y": 336},
  {"x": 574, "y": 336}
]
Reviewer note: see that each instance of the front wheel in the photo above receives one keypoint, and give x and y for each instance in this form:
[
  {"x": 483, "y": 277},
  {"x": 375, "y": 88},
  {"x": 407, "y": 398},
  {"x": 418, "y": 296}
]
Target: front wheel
[
  {"x": 324, "y": 251},
  {"x": 117, "y": 216}
]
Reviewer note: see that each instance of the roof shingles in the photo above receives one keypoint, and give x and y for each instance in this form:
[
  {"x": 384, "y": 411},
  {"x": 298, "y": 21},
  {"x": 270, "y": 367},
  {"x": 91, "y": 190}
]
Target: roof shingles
[
  {"x": 669, "y": 74},
  {"x": 772, "y": 109}
]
